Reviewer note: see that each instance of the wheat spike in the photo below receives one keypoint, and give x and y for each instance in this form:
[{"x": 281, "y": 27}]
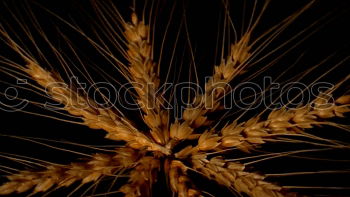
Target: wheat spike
[
  {"x": 81, "y": 105},
  {"x": 93, "y": 116},
  {"x": 234, "y": 65},
  {"x": 94, "y": 168},
  {"x": 283, "y": 121},
  {"x": 142, "y": 70},
  {"x": 279, "y": 122},
  {"x": 232, "y": 175}
]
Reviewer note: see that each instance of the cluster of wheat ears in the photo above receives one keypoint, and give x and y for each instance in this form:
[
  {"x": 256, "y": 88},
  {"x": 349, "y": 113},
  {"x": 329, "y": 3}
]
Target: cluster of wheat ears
[{"x": 178, "y": 147}]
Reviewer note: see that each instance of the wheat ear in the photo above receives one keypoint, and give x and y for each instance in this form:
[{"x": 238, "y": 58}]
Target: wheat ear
[
  {"x": 283, "y": 121},
  {"x": 239, "y": 58},
  {"x": 143, "y": 72},
  {"x": 97, "y": 166},
  {"x": 81, "y": 106},
  {"x": 142, "y": 178},
  {"x": 196, "y": 116},
  {"x": 93, "y": 116},
  {"x": 232, "y": 175},
  {"x": 279, "y": 122}
]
